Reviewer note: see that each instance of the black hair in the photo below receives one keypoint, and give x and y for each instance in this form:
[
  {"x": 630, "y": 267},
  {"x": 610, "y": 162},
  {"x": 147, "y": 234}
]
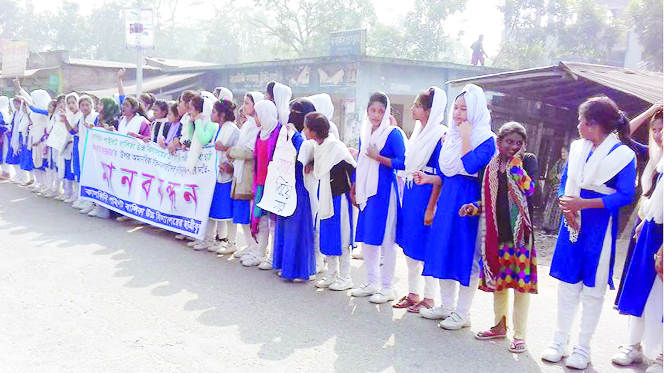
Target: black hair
[
  {"x": 226, "y": 108},
  {"x": 187, "y": 95},
  {"x": 298, "y": 109},
  {"x": 148, "y": 98},
  {"x": 134, "y": 103},
  {"x": 426, "y": 98},
  {"x": 378, "y": 97},
  {"x": 659, "y": 115},
  {"x": 318, "y": 123},
  {"x": 173, "y": 108},
  {"x": 248, "y": 95},
  {"x": 198, "y": 102},
  {"x": 269, "y": 90},
  {"x": 511, "y": 128},
  {"x": 162, "y": 105},
  {"x": 604, "y": 112}
]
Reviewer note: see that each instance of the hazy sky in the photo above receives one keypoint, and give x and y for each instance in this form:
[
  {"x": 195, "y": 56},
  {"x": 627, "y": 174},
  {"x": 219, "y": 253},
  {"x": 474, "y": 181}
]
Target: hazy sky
[{"x": 481, "y": 17}]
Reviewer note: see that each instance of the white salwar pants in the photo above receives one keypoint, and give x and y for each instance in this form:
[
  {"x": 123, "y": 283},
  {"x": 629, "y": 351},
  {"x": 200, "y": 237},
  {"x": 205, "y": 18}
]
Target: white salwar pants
[
  {"x": 382, "y": 273},
  {"x": 651, "y": 336},
  {"x": 592, "y": 299},
  {"x": 414, "y": 277}
]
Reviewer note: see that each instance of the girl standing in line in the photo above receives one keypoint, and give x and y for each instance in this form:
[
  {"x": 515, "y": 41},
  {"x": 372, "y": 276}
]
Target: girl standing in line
[
  {"x": 415, "y": 218},
  {"x": 14, "y": 139},
  {"x": 5, "y": 129},
  {"x": 160, "y": 120},
  {"x": 266, "y": 118},
  {"x": 452, "y": 253},
  {"x": 640, "y": 294},
  {"x": 597, "y": 181},
  {"x": 508, "y": 255},
  {"x": 294, "y": 252},
  {"x": 88, "y": 118},
  {"x": 242, "y": 159},
  {"x": 376, "y": 193},
  {"x": 70, "y": 118},
  {"x": 221, "y": 210},
  {"x": 333, "y": 168}
]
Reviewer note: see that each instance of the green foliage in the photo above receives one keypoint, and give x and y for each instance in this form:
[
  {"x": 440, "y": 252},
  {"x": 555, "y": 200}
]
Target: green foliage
[
  {"x": 648, "y": 21},
  {"x": 538, "y": 31}
]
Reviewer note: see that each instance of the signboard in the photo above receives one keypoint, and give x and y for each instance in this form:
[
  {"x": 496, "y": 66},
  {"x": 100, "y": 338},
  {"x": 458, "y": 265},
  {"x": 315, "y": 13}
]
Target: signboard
[
  {"x": 14, "y": 58},
  {"x": 280, "y": 189},
  {"x": 139, "y": 28},
  {"x": 348, "y": 43},
  {"x": 146, "y": 183}
]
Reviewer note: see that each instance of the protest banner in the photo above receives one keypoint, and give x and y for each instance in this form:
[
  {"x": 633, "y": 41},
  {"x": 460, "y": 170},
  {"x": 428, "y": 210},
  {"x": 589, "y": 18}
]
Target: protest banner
[
  {"x": 58, "y": 137},
  {"x": 144, "y": 182},
  {"x": 280, "y": 189}
]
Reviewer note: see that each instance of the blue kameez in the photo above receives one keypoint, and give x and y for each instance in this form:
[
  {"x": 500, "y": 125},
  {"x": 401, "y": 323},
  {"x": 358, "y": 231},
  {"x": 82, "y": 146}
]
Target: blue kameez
[
  {"x": 25, "y": 154},
  {"x": 452, "y": 239},
  {"x": 576, "y": 262},
  {"x": 330, "y": 230},
  {"x": 293, "y": 251},
  {"x": 372, "y": 219},
  {"x": 412, "y": 233}
]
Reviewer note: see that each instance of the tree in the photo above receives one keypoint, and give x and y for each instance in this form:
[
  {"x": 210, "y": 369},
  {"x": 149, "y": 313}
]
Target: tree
[
  {"x": 420, "y": 35},
  {"x": 648, "y": 21},
  {"x": 303, "y": 26},
  {"x": 538, "y": 31},
  {"x": 69, "y": 30}
]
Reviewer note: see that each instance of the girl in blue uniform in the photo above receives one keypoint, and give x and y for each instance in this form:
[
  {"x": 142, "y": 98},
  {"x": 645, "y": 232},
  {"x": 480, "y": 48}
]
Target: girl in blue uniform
[
  {"x": 376, "y": 193},
  {"x": 640, "y": 294},
  {"x": 5, "y": 129},
  {"x": 598, "y": 180},
  {"x": 415, "y": 218},
  {"x": 452, "y": 251},
  {"x": 294, "y": 253}
]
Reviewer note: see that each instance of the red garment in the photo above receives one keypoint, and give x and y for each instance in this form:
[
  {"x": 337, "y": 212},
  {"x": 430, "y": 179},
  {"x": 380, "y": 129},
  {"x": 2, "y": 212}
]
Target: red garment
[
  {"x": 263, "y": 158},
  {"x": 145, "y": 129}
]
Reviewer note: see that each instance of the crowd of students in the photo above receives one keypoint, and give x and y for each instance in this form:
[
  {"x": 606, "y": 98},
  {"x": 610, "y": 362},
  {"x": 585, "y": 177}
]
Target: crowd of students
[{"x": 454, "y": 196}]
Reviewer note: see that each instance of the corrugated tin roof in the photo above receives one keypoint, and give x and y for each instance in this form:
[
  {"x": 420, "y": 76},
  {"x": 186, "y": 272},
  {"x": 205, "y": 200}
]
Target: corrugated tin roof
[
  {"x": 149, "y": 85},
  {"x": 570, "y": 83},
  {"x": 107, "y": 64},
  {"x": 177, "y": 64}
]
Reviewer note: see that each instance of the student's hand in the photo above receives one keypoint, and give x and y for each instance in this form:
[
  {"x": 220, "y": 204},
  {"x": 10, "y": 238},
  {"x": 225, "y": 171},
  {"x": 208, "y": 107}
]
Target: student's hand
[
  {"x": 121, "y": 74},
  {"x": 571, "y": 203},
  {"x": 352, "y": 195},
  {"x": 420, "y": 178},
  {"x": 17, "y": 83},
  {"x": 145, "y": 139},
  {"x": 373, "y": 151},
  {"x": 173, "y": 147},
  {"x": 639, "y": 229},
  {"x": 465, "y": 128},
  {"x": 659, "y": 263},
  {"x": 89, "y": 125},
  {"x": 308, "y": 168},
  {"x": 220, "y": 147},
  {"x": 429, "y": 216},
  {"x": 161, "y": 143},
  {"x": 353, "y": 152},
  {"x": 226, "y": 167},
  {"x": 467, "y": 210}
]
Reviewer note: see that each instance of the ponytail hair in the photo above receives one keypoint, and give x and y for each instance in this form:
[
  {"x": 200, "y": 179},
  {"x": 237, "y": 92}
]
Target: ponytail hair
[{"x": 604, "y": 112}]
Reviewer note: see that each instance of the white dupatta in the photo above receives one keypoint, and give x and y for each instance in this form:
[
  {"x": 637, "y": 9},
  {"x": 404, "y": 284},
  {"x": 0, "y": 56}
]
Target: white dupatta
[
  {"x": 592, "y": 173},
  {"x": 424, "y": 139},
  {"x": 326, "y": 155}
]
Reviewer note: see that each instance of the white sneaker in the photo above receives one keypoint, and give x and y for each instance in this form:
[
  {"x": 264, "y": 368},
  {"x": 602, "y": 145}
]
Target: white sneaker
[
  {"x": 214, "y": 246},
  {"x": 657, "y": 366},
  {"x": 341, "y": 284},
  {"x": 193, "y": 243},
  {"x": 365, "y": 291},
  {"x": 326, "y": 281},
  {"x": 266, "y": 265},
  {"x": 455, "y": 321},
  {"x": 579, "y": 359},
  {"x": 50, "y": 194},
  {"x": 240, "y": 253},
  {"x": 385, "y": 295},
  {"x": 77, "y": 204},
  {"x": 435, "y": 313},
  {"x": 71, "y": 199},
  {"x": 100, "y": 212},
  {"x": 87, "y": 209},
  {"x": 227, "y": 249},
  {"x": 251, "y": 261},
  {"x": 628, "y": 355},
  {"x": 553, "y": 353},
  {"x": 180, "y": 237},
  {"x": 200, "y": 245},
  {"x": 60, "y": 197},
  {"x": 122, "y": 218}
]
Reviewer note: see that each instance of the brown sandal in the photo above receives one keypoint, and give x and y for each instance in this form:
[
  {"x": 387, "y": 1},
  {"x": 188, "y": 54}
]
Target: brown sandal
[
  {"x": 404, "y": 302},
  {"x": 417, "y": 307}
]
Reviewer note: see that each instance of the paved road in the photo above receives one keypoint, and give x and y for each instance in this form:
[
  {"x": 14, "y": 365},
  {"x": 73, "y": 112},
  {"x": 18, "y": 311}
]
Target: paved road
[{"x": 88, "y": 295}]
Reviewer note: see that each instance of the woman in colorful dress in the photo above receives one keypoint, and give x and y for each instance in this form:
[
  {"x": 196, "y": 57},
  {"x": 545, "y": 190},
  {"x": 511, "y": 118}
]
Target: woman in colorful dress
[{"x": 508, "y": 255}]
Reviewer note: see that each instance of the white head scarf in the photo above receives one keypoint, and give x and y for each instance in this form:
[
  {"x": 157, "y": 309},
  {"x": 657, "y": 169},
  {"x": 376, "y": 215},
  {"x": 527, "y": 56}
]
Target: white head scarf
[
  {"x": 225, "y": 93},
  {"x": 323, "y": 103},
  {"x": 282, "y": 96},
  {"x": 450, "y": 158},
  {"x": 208, "y": 95},
  {"x": 247, "y": 137},
  {"x": 268, "y": 117},
  {"x": 424, "y": 138},
  {"x": 4, "y": 108},
  {"x": 367, "y": 171}
]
